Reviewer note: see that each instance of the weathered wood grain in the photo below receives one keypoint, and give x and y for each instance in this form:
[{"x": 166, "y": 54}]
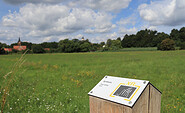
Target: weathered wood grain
[
  {"x": 148, "y": 102},
  {"x": 103, "y": 106},
  {"x": 141, "y": 106},
  {"x": 155, "y": 100}
]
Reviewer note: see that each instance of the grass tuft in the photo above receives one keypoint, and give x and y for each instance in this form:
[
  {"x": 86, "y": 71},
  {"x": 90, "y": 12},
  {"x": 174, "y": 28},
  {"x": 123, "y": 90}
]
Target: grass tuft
[{"x": 9, "y": 78}]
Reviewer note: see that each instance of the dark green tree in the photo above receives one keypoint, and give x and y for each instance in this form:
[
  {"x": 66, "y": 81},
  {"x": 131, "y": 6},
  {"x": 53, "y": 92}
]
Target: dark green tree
[
  {"x": 3, "y": 45},
  {"x": 51, "y": 45},
  {"x": 118, "y": 39},
  {"x": 182, "y": 46},
  {"x": 175, "y": 35},
  {"x": 159, "y": 38},
  {"x": 37, "y": 48},
  {"x": 95, "y": 47},
  {"x": 143, "y": 38},
  {"x": 128, "y": 41},
  {"x": 182, "y": 34},
  {"x": 109, "y": 42},
  {"x": 66, "y": 46},
  {"x": 102, "y": 44},
  {"x": 27, "y": 44},
  {"x": 167, "y": 44},
  {"x": 2, "y": 51},
  {"x": 69, "y": 46},
  {"x": 115, "y": 45},
  {"x": 85, "y": 47},
  {"x": 13, "y": 45}
]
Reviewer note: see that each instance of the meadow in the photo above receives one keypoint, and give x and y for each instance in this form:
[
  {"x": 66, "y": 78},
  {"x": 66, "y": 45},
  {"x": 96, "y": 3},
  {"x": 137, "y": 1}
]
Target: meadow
[{"x": 60, "y": 82}]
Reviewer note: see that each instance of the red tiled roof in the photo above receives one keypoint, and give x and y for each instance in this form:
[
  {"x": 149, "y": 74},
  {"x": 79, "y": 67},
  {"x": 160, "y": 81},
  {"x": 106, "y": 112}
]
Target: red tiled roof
[
  {"x": 47, "y": 49},
  {"x": 19, "y": 48},
  {"x": 8, "y": 49}
]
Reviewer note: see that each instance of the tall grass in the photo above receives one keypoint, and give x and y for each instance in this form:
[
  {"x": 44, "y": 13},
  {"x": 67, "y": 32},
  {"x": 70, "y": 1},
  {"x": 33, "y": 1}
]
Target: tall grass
[
  {"x": 8, "y": 80},
  {"x": 60, "y": 82}
]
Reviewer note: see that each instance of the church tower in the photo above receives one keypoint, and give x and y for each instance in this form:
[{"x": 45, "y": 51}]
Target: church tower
[
  {"x": 82, "y": 39},
  {"x": 19, "y": 42}
]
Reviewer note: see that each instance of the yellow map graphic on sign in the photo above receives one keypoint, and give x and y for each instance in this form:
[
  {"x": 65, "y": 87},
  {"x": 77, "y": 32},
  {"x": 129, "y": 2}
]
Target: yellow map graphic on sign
[{"x": 127, "y": 91}]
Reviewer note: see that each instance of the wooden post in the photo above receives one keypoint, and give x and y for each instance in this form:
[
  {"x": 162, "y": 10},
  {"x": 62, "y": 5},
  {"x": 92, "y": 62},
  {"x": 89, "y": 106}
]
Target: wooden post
[{"x": 148, "y": 102}]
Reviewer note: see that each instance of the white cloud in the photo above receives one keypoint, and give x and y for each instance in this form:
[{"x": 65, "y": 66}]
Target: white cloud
[
  {"x": 152, "y": 28},
  {"x": 72, "y": 36},
  {"x": 47, "y": 39},
  {"x": 39, "y": 20},
  {"x": 123, "y": 30},
  {"x": 79, "y": 36},
  {"x": 9, "y": 35},
  {"x": 38, "y": 17},
  {"x": 127, "y": 25},
  {"x": 130, "y": 20},
  {"x": 15, "y": 2},
  {"x": 48, "y": 20},
  {"x": 147, "y": 26},
  {"x": 104, "y": 37},
  {"x": 111, "y": 36},
  {"x": 166, "y": 12},
  {"x": 104, "y": 5},
  {"x": 101, "y": 28},
  {"x": 99, "y": 38},
  {"x": 5, "y": 33},
  {"x": 63, "y": 37}
]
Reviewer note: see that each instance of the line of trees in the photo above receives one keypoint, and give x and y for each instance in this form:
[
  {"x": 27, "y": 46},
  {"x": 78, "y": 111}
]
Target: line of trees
[
  {"x": 149, "y": 38},
  {"x": 143, "y": 38},
  {"x": 64, "y": 46}
]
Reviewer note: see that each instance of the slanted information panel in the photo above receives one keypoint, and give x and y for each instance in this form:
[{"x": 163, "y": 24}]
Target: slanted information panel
[{"x": 120, "y": 90}]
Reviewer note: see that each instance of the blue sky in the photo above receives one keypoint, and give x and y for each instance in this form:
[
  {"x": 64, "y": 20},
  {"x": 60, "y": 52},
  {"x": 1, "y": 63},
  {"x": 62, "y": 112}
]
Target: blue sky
[{"x": 97, "y": 20}]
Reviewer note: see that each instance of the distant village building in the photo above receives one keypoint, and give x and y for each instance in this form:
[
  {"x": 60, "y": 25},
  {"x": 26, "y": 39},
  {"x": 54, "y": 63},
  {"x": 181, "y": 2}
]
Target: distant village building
[
  {"x": 47, "y": 49},
  {"x": 8, "y": 49},
  {"x": 19, "y": 47}
]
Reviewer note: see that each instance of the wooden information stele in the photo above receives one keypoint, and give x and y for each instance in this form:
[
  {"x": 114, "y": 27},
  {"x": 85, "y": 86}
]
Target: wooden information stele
[{"x": 119, "y": 90}]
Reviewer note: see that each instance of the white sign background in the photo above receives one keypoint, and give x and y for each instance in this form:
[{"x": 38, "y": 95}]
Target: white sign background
[{"x": 109, "y": 84}]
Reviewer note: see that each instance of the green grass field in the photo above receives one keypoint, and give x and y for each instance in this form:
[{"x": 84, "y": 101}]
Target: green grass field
[{"x": 60, "y": 82}]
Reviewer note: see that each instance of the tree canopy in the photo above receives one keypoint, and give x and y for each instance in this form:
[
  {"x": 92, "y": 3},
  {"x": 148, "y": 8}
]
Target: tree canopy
[
  {"x": 37, "y": 48},
  {"x": 167, "y": 44}
]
